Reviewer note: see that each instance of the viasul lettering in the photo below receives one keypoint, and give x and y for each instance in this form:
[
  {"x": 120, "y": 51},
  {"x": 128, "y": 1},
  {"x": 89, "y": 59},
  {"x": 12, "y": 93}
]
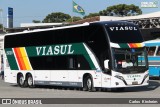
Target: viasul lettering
[
  {"x": 133, "y": 76},
  {"x": 54, "y": 50},
  {"x": 122, "y": 28}
]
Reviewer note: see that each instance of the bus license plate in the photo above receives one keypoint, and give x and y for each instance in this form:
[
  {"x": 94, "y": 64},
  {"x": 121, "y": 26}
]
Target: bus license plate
[{"x": 135, "y": 83}]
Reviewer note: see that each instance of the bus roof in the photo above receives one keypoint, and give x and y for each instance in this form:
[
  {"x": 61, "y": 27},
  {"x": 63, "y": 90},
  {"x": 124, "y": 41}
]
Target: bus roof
[
  {"x": 73, "y": 26},
  {"x": 48, "y": 29},
  {"x": 155, "y": 42}
]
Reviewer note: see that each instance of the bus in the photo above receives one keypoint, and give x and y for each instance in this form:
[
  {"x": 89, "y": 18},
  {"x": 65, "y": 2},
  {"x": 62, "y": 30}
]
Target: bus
[
  {"x": 93, "y": 55},
  {"x": 153, "y": 50}
]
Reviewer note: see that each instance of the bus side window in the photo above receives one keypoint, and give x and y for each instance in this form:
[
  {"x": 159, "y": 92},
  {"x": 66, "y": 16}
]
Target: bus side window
[
  {"x": 151, "y": 51},
  {"x": 78, "y": 62},
  {"x": 158, "y": 52},
  {"x": 72, "y": 63}
]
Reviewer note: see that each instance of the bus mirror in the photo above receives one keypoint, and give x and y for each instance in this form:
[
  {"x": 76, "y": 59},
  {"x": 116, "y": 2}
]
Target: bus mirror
[{"x": 106, "y": 64}]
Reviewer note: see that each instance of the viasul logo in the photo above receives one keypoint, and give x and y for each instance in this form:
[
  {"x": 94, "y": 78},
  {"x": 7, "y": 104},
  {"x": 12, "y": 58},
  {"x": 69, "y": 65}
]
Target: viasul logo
[
  {"x": 122, "y": 28},
  {"x": 153, "y": 4},
  {"x": 134, "y": 76},
  {"x": 54, "y": 50}
]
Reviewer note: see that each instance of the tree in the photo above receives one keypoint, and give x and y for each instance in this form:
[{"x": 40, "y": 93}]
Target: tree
[
  {"x": 121, "y": 10},
  {"x": 91, "y": 15},
  {"x": 1, "y": 26},
  {"x": 56, "y": 17},
  {"x": 74, "y": 18},
  {"x": 36, "y": 21}
]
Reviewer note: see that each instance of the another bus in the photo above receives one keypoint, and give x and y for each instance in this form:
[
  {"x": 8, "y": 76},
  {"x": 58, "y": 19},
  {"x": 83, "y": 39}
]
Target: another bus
[
  {"x": 153, "y": 50},
  {"x": 90, "y": 55}
]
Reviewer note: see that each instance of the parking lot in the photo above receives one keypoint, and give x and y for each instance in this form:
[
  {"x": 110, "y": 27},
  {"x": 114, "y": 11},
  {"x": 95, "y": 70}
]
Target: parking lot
[{"x": 13, "y": 91}]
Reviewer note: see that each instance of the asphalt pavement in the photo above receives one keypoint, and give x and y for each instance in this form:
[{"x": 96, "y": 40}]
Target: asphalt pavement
[{"x": 13, "y": 91}]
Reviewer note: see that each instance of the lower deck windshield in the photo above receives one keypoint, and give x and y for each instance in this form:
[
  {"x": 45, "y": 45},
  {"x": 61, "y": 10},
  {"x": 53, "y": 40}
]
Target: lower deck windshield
[{"x": 130, "y": 60}]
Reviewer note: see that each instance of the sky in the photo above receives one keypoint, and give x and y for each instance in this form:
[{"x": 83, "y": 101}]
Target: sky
[{"x": 25, "y": 11}]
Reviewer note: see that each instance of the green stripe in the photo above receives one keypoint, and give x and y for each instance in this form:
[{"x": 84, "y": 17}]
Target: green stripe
[
  {"x": 123, "y": 45},
  {"x": 11, "y": 59},
  {"x": 90, "y": 62},
  {"x": 76, "y": 48}
]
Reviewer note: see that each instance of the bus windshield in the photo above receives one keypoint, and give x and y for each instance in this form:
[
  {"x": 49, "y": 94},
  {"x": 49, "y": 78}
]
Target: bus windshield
[{"x": 130, "y": 60}]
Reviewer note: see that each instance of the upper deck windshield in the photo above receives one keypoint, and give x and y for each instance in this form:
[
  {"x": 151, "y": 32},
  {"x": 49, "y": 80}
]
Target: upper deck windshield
[
  {"x": 128, "y": 33},
  {"x": 130, "y": 60}
]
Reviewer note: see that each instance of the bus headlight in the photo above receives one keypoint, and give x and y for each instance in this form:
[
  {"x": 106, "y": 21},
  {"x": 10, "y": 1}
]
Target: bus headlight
[
  {"x": 119, "y": 77},
  {"x": 147, "y": 75}
]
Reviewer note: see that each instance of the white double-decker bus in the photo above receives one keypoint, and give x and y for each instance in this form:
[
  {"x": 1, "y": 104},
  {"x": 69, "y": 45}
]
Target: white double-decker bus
[{"x": 90, "y": 55}]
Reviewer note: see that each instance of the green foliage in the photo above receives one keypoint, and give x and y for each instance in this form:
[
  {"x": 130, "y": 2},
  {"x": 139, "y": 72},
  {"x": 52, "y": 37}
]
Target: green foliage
[
  {"x": 36, "y": 21},
  {"x": 121, "y": 10},
  {"x": 91, "y": 15},
  {"x": 115, "y": 10},
  {"x": 56, "y": 17},
  {"x": 1, "y": 26},
  {"x": 75, "y": 18}
]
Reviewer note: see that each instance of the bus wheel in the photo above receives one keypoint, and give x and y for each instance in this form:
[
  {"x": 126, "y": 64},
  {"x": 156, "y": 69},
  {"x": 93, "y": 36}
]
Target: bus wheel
[
  {"x": 30, "y": 81},
  {"x": 88, "y": 84},
  {"x": 21, "y": 81}
]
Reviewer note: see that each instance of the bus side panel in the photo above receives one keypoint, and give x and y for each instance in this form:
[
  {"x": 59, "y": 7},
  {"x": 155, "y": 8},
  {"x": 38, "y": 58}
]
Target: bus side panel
[
  {"x": 73, "y": 78},
  {"x": 154, "y": 71},
  {"x": 59, "y": 77},
  {"x": 41, "y": 77},
  {"x": 106, "y": 80},
  {"x": 10, "y": 76}
]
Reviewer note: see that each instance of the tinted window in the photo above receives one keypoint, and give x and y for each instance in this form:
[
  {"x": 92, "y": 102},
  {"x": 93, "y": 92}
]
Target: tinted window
[
  {"x": 60, "y": 63},
  {"x": 151, "y": 50},
  {"x": 82, "y": 63},
  {"x": 124, "y": 34},
  {"x": 60, "y": 36},
  {"x": 158, "y": 52},
  {"x": 94, "y": 36},
  {"x": 98, "y": 42},
  {"x": 49, "y": 63},
  {"x": 78, "y": 62}
]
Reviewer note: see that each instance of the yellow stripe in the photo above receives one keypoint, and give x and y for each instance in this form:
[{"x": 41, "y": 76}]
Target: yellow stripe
[
  {"x": 25, "y": 59},
  {"x": 139, "y": 44}
]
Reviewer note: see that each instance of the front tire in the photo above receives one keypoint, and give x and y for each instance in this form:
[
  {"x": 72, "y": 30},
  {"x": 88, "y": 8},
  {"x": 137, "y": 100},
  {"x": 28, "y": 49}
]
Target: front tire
[{"x": 88, "y": 84}]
